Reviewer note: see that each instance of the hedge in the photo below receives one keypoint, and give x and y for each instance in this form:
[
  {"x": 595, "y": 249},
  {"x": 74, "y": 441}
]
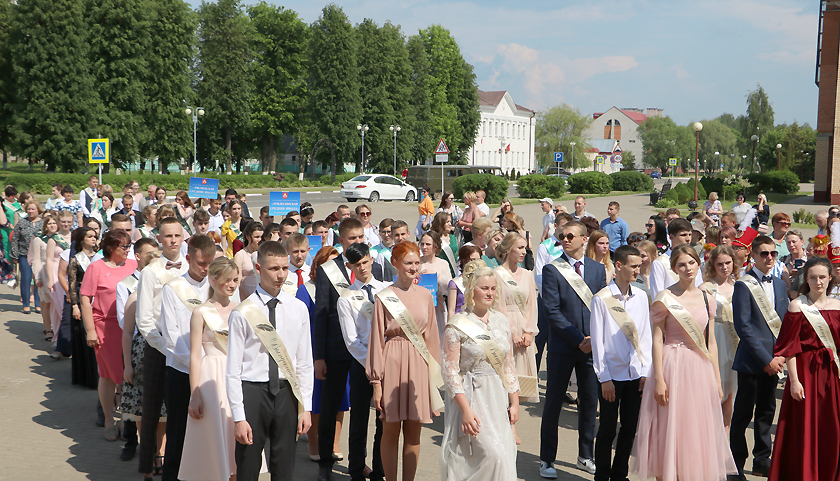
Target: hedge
[
  {"x": 701, "y": 192},
  {"x": 536, "y": 186},
  {"x": 682, "y": 192},
  {"x": 779, "y": 181},
  {"x": 339, "y": 178},
  {"x": 631, "y": 181},
  {"x": 590, "y": 183},
  {"x": 495, "y": 187}
]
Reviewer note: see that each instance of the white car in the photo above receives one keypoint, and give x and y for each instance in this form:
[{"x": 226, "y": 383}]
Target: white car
[{"x": 376, "y": 187}]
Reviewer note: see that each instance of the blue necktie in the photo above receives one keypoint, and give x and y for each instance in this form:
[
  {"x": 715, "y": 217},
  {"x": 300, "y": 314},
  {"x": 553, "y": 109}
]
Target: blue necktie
[{"x": 369, "y": 289}]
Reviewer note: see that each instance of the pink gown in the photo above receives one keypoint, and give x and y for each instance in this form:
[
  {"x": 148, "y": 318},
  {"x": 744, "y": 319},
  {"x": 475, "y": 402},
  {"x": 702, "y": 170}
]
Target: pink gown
[
  {"x": 686, "y": 439},
  {"x": 57, "y": 296}
]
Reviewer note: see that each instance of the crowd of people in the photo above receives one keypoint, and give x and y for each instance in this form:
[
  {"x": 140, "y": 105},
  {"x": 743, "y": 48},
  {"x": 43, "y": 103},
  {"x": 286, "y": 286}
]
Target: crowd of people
[{"x": 209, "y": 332}]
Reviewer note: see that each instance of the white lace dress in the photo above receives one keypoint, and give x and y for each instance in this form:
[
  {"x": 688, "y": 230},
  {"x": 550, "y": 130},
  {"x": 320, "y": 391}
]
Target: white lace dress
[{"x": 490, "y": 456}]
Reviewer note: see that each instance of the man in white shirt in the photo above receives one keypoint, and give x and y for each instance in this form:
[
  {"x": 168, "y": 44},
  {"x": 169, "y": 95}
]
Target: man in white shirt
[
  {"x": 169, "y": 266},
  {"x": 480, "y": 195},
  {"x": 262, "y": 401},
  {"x": 621, "y": 369},
  {"x": 679, "y": 232},
  {"x": 297, "y": 245},
  {"x": 141, "y": 249},
  {"x": 355, "y": 328},
  {"x": 178, "y": 297},
  {"x": 580, "y": 208},
  {"x": 89, "y": 195},
  {"x": 399, "y": 233},
  {"x": 216, "y": 218},
  {"x": 547, "y": 205}
]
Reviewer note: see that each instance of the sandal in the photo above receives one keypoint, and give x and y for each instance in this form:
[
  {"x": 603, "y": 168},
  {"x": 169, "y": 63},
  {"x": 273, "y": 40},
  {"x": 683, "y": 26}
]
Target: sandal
[
  {"x": 48, "y": 337},
  {"x": 27, "y": 310},
  {"x": 112, "y": 433},
  {"x": 158, "y": 469},
  {"x": 37, "y": 310}
]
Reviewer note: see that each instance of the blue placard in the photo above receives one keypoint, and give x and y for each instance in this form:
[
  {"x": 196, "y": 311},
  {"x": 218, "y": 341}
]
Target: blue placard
[
  {"x": 204, "y": 188},
  {"x": 558, "y": 157},
  {"x": 429, "y": 281},
  {"x": 314, "y": 247},
  {"x": 281, "y": 203}
]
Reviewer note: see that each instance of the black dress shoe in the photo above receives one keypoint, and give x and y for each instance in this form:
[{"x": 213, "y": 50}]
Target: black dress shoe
[
  {"x": 761, "y": 468},
  {"x": 570, "y": 400},
  {"x": 127, "y": 453},
  {"x": 100, "y": 421},
  {"x": 325, "y": 473}
]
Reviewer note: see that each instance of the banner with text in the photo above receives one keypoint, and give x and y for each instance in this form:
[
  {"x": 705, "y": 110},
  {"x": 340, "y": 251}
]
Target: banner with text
[
  {"x": 281, "y": 203},
  {"x": 204, "y": 188}
]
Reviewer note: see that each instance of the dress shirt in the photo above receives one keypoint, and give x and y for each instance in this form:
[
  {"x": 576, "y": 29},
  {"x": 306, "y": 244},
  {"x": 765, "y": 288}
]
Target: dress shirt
[
  {"x": 573, "y": 261},
  {"x": 613, "y": 357},
  {"x": 579, "y": 217},
  {"x": 247, "y": 359},
  {"x": 355, "y": 327},
  {"x": 766, "y": 286},
  {"x": 175, "y": 319},
  {"x": 293, "y": 272},
  {"x": 122, "y": 298},
  {"x": 148, "y": 299},
  {"x": 216, "y": 222},
  {"x": 617, "y": 230},
  {"x": 484, "y": 208},
  {"x": 661, "y": 278},
  {"x": 83, "y": 196},
  {"x": 545, "y": 257}
]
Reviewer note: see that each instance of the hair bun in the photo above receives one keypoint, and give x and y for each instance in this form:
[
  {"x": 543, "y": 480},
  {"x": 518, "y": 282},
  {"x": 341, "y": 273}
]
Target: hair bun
[{"x": 471, "y": 267}]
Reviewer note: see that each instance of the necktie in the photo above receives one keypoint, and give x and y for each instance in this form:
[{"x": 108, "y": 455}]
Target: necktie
[
  {"x": 369, "y": 289},
  {"x": 577, "y": 268},
  {"x": 299, "y": 273},
  {"x": 273, "y": 374},
  {"x": 767, "y": 279},
  {"x": 173, "y": 265},
  {"x": 352, "y": 277}
]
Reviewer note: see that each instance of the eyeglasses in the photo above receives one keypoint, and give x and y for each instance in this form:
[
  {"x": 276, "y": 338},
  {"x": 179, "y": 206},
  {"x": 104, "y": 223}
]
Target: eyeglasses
[
  {"x": 569, "y": 237},
  {"x": 125, "y": 247},
  {"x": 556, "y": 211},
  {"x": 772, "y": 254},
  {"x": 364, "y": 214}
]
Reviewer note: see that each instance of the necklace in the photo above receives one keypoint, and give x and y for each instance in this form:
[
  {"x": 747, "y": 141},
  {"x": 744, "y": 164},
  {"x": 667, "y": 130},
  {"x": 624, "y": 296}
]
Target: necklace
[{"x": 814, "y": 303}]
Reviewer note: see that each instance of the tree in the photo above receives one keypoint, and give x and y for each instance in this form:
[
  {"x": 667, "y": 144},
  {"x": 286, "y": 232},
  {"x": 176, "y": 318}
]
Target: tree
[
  {"x": 7, "y": 87},
  {"x": 759, "y": 117},
  {"x": 556, "y": 128},
  {"x": 120, "y": 38},
  {"x": 662, "y": 139},
  {"x": 169, "y": 83},
  {"x": 56, "y": 96},
  {"x": 225, "y": 81},
  {"x": 334, "y": 107},
  {"x": 628, "y": 160},
  {"x": 421, "y": 125},
  {"x": 281, "y": 62},
  {"x": 716, "y": 137}
]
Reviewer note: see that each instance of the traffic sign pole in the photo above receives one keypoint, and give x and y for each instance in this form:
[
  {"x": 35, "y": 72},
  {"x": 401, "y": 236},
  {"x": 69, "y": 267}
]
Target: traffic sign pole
[{"x": 442, "y": 156}]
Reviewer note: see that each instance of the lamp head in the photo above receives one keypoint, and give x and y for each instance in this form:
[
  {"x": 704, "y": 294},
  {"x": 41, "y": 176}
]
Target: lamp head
[
  {"x": 391, "y": 128},
  {"x": 778, "y": 146},
  {"x": 188, "y": 111},
  {"x": 366, "y": 128},
  {"x": 399, "y": 128},
  {"x": 717, "y": 153},
  {"x": 359, "y": 127},
  {"x": 698, "y": 126},
  {"x": 200, "y": 111},
  {"x": 754, "y": 138}
]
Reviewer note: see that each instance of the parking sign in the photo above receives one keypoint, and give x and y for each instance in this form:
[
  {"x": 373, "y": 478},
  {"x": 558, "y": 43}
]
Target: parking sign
[{"x": 558, "y": 157}]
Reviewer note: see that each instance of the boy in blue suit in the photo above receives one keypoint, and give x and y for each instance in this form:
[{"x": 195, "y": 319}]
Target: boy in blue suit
[
  {"x": 570, "y": 347},
  {"x": 757, "y": 368}
]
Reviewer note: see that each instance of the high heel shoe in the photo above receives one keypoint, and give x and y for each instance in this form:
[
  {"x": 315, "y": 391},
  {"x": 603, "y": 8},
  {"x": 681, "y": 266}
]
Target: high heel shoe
[{"x": 158, "y": 469}]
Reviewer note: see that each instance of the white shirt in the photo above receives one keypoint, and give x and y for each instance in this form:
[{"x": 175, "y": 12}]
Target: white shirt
[
  {"x": 542, "y": 259},
  {"x": 767, "y": 287},
  {"x": 548, "y": 220},
  {"x": 216, "y": 222},
  {"x": 83, "y": 195},
  {"x": 355, "y": 327},
  {"x": 372, "y": 235},
  {"x": 661, "y": 279},
  {"x": 584, "y": 214},
  {"x": 573, "y": 261},
  {"x": 484, "y": 208},
  {"x": 613, "y": 357},
  {"x": 175, "y": 319},
  {"x": 305, "y": 269},
  {"x": 247, "y": 359},
  {"x": 148, "y": 300},
  {"x": 122, "y": 298}
]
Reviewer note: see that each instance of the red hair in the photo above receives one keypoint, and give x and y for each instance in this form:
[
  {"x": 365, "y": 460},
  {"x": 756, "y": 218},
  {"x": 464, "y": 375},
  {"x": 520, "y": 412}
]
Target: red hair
[
  {"x": 403, "y": 249},
  {"x": 322, "y": 256}
]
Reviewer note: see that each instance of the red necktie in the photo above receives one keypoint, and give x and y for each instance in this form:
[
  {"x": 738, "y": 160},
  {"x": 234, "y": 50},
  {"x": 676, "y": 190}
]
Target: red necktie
[
  {"x": 299, "y": 273},
  {"x": 352, "y": 277}
]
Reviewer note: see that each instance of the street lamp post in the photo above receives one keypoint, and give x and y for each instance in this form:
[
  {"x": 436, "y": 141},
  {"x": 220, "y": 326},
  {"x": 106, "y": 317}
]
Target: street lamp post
[
  {"x": 779, "y": 152},
  {"x": 363, "y": 128},
  {"x": 717, "y": 162},
  {"x": 395, "y": 129},
  {"x": 754, "y": 140},
  {"x": 195, "y": 112},
  {"x": 744, "y": 162},
  {"x": 697, "y": 128},
  {"x": 573, "y": 155}
]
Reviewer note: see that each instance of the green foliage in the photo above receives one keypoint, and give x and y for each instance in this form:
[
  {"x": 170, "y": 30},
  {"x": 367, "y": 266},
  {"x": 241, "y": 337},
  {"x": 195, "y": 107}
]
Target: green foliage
[
  {"x": 802, "y": 217},
  {"x": 683, "y": 194},
  {"x": 712, "y": 184},
  {"x": 673, "y": 196},
  {"x": 723, "y": 174},
  {"x": 419, "y": 101},
  {"x": 630, "y": 180},
  {"x": 535, "y": 186},
  {"x": 590, "y": 183},
  {"x": 665, "y": 203},
  {"x": 702, "y": 196},
  {"x": 42, "y": 183},
  {"x": 759, "y": 118},
  {"x": 716, "y": 137},
  {"x": 339, "y": 178},
  {"x": 7, "y": 88},
  {"x": 781, "y": 182},
  {"x": 555, "y": 129},
  {"x": 663, "y": 139},
  {"x": 628, "y": 161},
  {"x": 495, "y": 187}
]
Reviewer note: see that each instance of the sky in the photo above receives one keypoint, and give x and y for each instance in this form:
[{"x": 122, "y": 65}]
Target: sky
[{"x": 694, "y": 59}]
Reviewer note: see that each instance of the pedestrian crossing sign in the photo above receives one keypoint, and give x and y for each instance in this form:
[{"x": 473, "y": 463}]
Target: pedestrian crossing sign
[{"x": 99, "y": 151}]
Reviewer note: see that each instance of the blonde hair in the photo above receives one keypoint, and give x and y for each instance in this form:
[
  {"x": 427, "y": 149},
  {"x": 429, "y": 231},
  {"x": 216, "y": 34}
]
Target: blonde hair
[
  {"x": 713, "y": 196},
  {"x": 652, "y": 252},
  {"x": 151, "y": 257},
  {"x": 473, "y": 272},
  {"x": 221, "y": 269},
  {"x": 65, "y": 213},
  {"x": 469, "y": 196},
  {"x": 481, "y": 225},
  {"x": 504, "y": 247}
]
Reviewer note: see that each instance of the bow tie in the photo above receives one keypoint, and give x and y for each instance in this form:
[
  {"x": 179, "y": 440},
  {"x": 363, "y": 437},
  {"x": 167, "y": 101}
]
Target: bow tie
[
  {"x": 767, "y": 279},
  {"x": 173, "y": 265},
  {"x": 558, "y": 244}
]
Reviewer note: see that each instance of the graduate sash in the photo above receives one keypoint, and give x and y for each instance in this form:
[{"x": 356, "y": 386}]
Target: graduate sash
[
  {"x": 666, "y": 261},
  {"x": 337, "y": 279},
  {"x": 184, "y": 222},
  {"x": 145, "y": 232},
  {"x": 310, "y": 288},
  {"x": 83, "y": 260},
  {"x": 459, "y": 282},
  {"x": 60, "y": 242},
  {"x": 574, "y": 280},
  {"x": 686, "y": 320},
  {"x": 767, "y": 311},
  {"x": 494, "y": 352},
  {"x": 400, "y": 313},
  {"x": 450, "y": 256},
  {"x": 89, "y": 201},
  {"x": 622, "y": 319},
  {"x": 130, "y": 283},
  {"x": 727, "y": 318},
  {"x": 817, "y": 322},
  {"x": 106, "y": 219},
  {"x": 359, "y": 301},
  {"x": 185, "y": 292},
  {"x": 215, "y": 323},
  {"x": 518, "y": 294},
  {"x": 272, "y": 343},
  {"x": 290, "y": 286}
]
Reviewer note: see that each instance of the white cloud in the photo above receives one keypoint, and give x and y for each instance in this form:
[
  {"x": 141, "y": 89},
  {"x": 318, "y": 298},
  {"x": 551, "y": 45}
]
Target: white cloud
[{"x": 680, "y": 71}]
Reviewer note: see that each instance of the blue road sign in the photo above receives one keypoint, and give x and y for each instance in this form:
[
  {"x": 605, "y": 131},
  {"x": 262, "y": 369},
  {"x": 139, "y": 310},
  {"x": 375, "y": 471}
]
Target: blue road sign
[
  {"x": 281, "y": 203},
  {"x": 558, "y": 157},
  {"x": 204, "y": 188}
]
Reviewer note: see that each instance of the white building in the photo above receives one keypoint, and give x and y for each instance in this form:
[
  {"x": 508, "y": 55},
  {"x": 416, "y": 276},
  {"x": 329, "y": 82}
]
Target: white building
[
  {"x": 505, "y": 135},
  {"x": 618, "y": 125}
]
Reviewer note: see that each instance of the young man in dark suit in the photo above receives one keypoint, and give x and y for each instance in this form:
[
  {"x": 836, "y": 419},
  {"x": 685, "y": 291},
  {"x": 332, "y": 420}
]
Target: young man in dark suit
[
  {"x": 570, "y": 348},
  {"x": 757, "y": 368}
]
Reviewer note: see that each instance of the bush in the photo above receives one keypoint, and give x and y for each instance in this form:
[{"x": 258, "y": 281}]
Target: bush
[
  {"x": 339, "y": 178},
  {"x": 779, "y": 181},
  {"x": 665, "y": 203},
  {"x": 538, "y": 186},
  {"x": 590, "y": 183},
  {"x": 42, "y": 183},
  {"x": 673, "y": 196},
  {"x": 702, "y": 196},
  {"x": 683, "y": 193},
  {"x": 494, "y": 186},
  {"x": 802, "y": 217},
  {"x": 711, "y": 184},
  {"x": 631, "y": 181},
  {"x": 723, "y": 174}
]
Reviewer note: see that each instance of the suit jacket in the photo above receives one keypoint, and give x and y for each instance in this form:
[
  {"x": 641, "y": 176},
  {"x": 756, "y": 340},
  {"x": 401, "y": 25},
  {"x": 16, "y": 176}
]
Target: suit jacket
[
  {"x": 756, "y": 347},
  {"x": 327, "y": 340},
  {"x": 568, "y": 316}
]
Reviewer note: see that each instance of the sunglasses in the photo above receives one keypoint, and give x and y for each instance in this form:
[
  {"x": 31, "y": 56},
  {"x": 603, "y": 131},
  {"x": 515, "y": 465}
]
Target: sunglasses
[
  {"x": 364, "y": 214},
  {"x": 556, "y": 211},
  {"x": 635, "y": 238},
  {"x": 785, "y": 224},
  {"x": 650, "y": 225},
  {"x": 569, "y": 237},
  {"x": 125, "y": 246},
  {"x": 766, "y": 254}
]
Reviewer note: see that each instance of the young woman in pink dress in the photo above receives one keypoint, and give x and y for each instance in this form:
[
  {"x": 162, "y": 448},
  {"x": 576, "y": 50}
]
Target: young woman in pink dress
[
  {"x": 680, "y": 435},
  {"x": 209, "y": 442},
  {"x": 55, "y": 246}
]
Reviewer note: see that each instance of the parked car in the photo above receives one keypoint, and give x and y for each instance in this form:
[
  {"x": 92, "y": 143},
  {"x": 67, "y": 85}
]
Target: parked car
[
  {"x": 656, "y": 174},
  {"x": 376, "y": 187}
]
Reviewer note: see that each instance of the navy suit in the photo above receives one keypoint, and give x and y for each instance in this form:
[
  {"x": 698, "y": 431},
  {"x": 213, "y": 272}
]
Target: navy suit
[
  {"x": 568, "y": 319},
  {"x": 756, "y": 389}
]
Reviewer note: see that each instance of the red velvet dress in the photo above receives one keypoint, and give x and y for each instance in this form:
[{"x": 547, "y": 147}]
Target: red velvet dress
[{"x": 807, "y": 445}]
